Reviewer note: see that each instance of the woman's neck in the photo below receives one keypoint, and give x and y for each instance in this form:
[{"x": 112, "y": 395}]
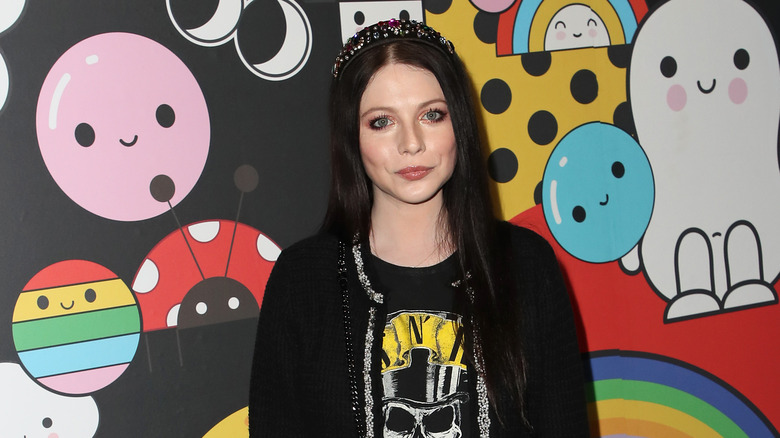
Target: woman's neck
[{"x": 410, "y": 235}]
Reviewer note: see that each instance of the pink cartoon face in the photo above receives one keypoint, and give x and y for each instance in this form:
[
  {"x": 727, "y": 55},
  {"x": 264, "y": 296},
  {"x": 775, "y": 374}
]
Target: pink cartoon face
[{"x": 122, "y": 126}]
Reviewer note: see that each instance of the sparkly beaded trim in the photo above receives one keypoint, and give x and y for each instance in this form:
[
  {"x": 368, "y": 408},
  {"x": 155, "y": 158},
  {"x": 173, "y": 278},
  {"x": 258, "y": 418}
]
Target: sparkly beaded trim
[
  {"x": 367, "y": 373},
  {"x": 364, "y": 281},
  {"x": 385, "y": 31},
  {"x": 483, "y": 413},
  {"x": 378, "y": 299},
  {"x": 364, "y": 429}
]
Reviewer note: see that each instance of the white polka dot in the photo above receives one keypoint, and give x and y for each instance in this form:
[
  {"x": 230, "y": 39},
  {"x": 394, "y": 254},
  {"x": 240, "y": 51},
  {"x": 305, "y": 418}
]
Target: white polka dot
[
  {"x": 201, "y": 308},
  {"x": 173, "y": 316},
  {"x": 204, "y": 231},
  {"x": 233, "y": 303},
  {"x": 267, "y": 248},
  {"x": 10, "y": 11},
  {"x": 147, "y": 277}
]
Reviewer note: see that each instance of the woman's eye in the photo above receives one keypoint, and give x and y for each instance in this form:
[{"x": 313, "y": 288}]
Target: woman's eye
[
  {"x": 432, "y": 116},
  {"x": 380, "y": 123}
]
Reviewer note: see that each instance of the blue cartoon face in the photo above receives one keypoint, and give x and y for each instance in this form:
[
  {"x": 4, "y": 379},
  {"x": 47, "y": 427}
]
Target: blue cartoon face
[{"x": 597, "y": 192}]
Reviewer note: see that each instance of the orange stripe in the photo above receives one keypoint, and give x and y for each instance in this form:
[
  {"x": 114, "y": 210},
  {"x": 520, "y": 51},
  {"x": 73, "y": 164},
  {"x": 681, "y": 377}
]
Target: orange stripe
[{"x": 634, "y": 427}]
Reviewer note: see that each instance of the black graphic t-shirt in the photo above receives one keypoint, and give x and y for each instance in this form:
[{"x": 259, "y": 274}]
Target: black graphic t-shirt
[{"x": 424, "y": 376}]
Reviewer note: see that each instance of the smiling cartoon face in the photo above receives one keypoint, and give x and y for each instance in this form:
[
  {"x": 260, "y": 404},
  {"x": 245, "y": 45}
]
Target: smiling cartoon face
[
  {"x": 706, "y": 78},
  {"x": 116, "y": 111},
  {"x": 575, "y": 26},
  {"x": 27, "y": 410},
  {"x": 597, "y": 192},
  {"x": 76, "y": 327}
]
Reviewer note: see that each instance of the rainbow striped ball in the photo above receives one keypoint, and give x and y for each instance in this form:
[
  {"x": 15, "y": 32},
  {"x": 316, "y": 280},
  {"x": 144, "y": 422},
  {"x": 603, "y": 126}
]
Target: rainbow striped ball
[{"x": 76, "y": 327}]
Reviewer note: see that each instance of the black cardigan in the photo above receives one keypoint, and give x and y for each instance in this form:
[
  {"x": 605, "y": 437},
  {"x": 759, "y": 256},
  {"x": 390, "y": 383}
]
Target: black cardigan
[{"x": 300, "y": 385}]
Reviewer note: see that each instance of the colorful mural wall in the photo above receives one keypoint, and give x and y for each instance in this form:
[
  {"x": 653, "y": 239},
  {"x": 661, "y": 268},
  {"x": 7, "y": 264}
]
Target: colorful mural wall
[{"x": 158, "y": 155}]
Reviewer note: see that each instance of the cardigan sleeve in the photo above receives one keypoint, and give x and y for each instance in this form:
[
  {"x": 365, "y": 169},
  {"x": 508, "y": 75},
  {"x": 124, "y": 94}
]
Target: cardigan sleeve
[
  {"x": 273, "y": 406},
  {"x": 556, "y": 404}
]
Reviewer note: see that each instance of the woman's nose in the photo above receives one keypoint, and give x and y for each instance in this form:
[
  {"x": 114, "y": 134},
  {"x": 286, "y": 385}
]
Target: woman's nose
[{"x": 411, "y": 141}]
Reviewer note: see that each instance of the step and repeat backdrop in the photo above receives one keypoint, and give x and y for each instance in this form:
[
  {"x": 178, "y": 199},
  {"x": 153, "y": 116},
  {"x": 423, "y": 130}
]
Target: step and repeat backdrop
[{"x": 158, "y": 155}]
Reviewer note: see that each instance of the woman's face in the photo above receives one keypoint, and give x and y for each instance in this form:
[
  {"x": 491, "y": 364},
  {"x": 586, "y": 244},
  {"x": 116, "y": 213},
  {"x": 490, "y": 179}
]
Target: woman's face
[{"x": 406, "y": 139}]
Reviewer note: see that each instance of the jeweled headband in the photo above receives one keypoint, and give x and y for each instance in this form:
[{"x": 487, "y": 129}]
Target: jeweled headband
[{"x": 386, "y": 31}]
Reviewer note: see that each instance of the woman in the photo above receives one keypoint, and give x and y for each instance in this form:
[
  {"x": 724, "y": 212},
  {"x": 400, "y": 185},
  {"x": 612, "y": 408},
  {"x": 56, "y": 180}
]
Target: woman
[{"x": 414, "y": 313}]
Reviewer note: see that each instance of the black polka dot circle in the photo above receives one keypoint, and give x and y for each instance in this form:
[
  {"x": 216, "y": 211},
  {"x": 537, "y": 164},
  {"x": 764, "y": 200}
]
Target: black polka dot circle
[
  {"x": 538, "y": 193},
  {"x": 623, "y": 118},
  {"x": 536, "y": 63},
  {"x": 502, "y": 165},
  {"x": 584, "y": 86},
  {"x": 619, "y": 55},
  {"x": 359, "y": 18},
  {"x": 496, "y": 96},
  {"x": 437, "y": 6},
  {"x": 486, "y": 27},
  {"x": 542, "y": 127}
]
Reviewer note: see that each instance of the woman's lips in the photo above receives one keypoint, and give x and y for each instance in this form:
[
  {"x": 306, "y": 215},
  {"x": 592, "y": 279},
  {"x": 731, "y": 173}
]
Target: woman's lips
[{"x": 413, "y": 173}]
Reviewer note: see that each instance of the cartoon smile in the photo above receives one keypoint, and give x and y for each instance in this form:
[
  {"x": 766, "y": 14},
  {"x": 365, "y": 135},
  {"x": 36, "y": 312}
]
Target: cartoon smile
[
  {"x": 130, "y": 143},
  {"x": 577, "y": 35},
  {"x": 69, "y": 307},
  {"x": 708, "y": 91},
  {"x": 606, "y": 201}
]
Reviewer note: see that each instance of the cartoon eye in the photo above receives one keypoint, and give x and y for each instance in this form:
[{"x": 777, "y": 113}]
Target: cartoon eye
[
  {"x": 741, "y": 59},
  {"x": 165, "y": 116},
  {"x": 668, "y": 66},
  {"x": 233, "y": 303},
  {"x": 440, "y": 420},
  {"x": 399, "y": 420},
  {"x": 404, "y": 15},
  {"x": 85, "y": 135},
  {"x": 43, "y": 302},
  {"x": 578, "y": 213},
  {"x": 561, "y": 23},
  {"x": 592, "y": 22},
  {"x": 90, "y": 295},
  {"x": 47, "y": 423},
  {"x": 618, "y": 170},
  {"x": 201, "y": 308},
  {"x": 359, "y": 18}
]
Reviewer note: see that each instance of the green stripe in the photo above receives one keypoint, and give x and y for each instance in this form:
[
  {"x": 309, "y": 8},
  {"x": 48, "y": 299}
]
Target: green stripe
[
  {"x": 67, "y": 329},
  {"x": 665, "y": 396}
]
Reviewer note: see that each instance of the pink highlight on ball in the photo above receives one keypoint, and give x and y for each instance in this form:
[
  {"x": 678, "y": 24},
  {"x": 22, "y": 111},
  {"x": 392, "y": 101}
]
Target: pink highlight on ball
[
  {"x": 738, "y": 90},
  {"x": 84, "y": 382},
  {"x": 676, "y": 97}
]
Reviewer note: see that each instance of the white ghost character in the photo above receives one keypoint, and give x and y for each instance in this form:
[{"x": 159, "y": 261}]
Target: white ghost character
[
  {"x": 28, "y": 410},
  {"x": 705, "y": 94}
]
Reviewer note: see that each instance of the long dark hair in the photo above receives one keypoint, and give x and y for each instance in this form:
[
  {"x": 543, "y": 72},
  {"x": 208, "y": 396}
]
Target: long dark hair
[{"x": 472, "y": 228}]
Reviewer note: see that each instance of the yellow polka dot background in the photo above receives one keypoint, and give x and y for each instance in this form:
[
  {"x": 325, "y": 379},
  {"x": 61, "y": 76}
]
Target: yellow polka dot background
[{"x": 528, "y": 102}]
